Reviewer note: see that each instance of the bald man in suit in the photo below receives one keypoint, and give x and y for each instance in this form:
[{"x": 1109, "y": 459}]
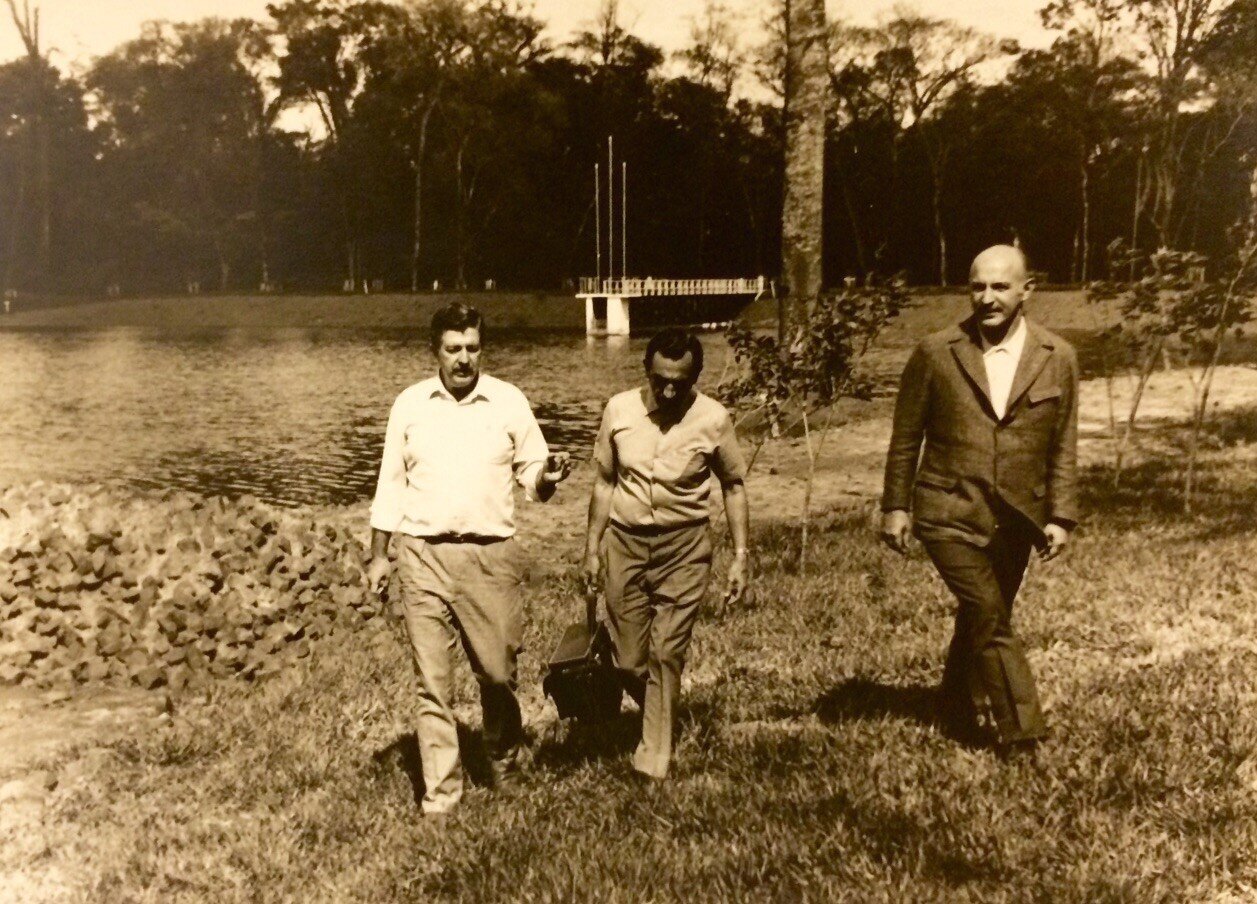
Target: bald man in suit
[{"x": 982, "y": 468}]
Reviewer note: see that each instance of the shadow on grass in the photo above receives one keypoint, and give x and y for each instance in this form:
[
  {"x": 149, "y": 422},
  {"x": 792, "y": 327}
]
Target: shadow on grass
[
  {"x": 583, "y": 742},
  {"x": 402, "y": 755},
  {"x": 863, "y": 699},
  {"x": 860, "y": 699}
]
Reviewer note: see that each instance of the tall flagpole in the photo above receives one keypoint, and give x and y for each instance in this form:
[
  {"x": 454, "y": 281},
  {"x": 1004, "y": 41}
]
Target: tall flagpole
[
  {"x": 598, "y": 225},
  {"x": 610, "y": 206},
  {"x": 624, "y": 219}
]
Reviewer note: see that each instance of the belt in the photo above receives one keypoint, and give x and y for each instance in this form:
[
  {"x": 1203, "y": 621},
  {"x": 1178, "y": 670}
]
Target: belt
[
  {"x": 654, "y": 530},
  {"x": 479, "y": 539}
]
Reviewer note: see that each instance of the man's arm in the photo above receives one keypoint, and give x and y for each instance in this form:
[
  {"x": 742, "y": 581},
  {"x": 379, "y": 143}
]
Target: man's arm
[
  {"x": 599, "y": 503},
  {"x": 738, "y": 515},
  {"x": 1062, "y": 466},
  {"x": 596, "y": 526},
  {"x": 378, "y": 567},
  {"x": 906, "y": 436},
  {"x": 536, "y": 470},
  {"x": 556, "y": 469},
  {"x": 386, "y": 507},
  {"x": 729, "y": 467}
]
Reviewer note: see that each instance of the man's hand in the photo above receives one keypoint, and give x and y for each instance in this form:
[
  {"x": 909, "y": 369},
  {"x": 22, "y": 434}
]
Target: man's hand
[
  {"x": 736, "y": 587},
  {"x": 591, "y": 573},
  {"x": 1057, "y": 537},
  {"x": 558, "y": 466},
  {"x": 377, "y": 575},
  {"x": 896, "y": 528}
]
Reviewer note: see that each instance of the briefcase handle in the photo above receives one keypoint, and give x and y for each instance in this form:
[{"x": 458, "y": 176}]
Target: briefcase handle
[{"x": 591, "y": 611}]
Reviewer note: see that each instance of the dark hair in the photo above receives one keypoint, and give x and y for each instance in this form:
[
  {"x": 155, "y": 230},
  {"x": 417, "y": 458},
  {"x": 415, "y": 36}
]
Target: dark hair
[
  {"x": 455, "y": 316},
  {"x": 673, "y": 344}
]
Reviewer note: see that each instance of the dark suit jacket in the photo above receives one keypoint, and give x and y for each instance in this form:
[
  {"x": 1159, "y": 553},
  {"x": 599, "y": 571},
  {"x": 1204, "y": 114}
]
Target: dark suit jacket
[{"x": 972, "y": 459}]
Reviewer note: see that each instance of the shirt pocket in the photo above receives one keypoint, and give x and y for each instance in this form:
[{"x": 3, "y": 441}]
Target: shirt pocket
[
  {"x": 1043, "y": 391},
  {"x": 687, "y": 466}
]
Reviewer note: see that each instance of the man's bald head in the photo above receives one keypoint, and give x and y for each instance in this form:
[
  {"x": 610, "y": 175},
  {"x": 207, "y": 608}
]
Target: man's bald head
[
  {"x": 999, "y": 283},
  {"x": 1006, "y": 257}
]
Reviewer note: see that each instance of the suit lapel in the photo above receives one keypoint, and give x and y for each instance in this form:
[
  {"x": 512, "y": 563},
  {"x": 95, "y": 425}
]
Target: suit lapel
[
  {"x": 969, "y": 357},
  {"x": 1033, "y": 359}
]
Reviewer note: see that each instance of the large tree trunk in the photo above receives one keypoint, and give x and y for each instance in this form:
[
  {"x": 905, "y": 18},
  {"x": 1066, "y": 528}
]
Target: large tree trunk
[
  {"x": 937, "y": 196},
  {"x": 460, "y": 223},
  {"x": 416, "y": 253},
  {"x": 1137, "y": 211},
  {"x": 936, "y": 155},
  {"x": 37, "y": 169},
  {"x": 856, "y": 232},
  {"x": 416, "y": 249},
  {"x": 43, "y": 201},
  {"x": 802, "y": 216},
  {"x": 1084, "y": 260},
  {"x": 11, "y": 271}
]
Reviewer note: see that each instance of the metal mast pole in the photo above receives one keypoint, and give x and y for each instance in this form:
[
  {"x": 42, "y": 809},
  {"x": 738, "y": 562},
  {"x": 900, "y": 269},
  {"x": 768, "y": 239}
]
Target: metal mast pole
[
  {"x": 624, "y": 219},
  {"x": 598, "y": 226}
]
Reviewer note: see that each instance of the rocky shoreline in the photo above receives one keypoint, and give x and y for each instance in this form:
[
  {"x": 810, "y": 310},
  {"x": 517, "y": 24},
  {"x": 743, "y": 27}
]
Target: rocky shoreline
[{"x": 103, "y": 585}]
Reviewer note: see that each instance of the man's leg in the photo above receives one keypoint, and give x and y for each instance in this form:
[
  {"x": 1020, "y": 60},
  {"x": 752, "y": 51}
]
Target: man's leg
[
  {"x": 999, "y": 679},
  {"x": 432, "y": 639},
  {"x": 489, "y": 613},
  {"x": 629, "y": 611},
  {"x": 956, "y": 696},
  {"x": 1009, "y": 554},
  {"x": 680, "y": 566}
]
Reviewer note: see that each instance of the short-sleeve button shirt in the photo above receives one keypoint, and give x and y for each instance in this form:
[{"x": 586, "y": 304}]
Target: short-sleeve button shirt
[{"x": 663, "y": 473}]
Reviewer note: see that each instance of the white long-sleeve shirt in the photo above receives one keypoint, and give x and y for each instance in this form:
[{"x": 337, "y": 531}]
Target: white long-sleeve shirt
[
  {"x": 1001, "y": 366},
  {"x": 447, "y": 465}
]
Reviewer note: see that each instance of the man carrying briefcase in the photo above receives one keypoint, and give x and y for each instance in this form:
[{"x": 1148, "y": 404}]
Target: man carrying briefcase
[{"x": 656, "y": 452}]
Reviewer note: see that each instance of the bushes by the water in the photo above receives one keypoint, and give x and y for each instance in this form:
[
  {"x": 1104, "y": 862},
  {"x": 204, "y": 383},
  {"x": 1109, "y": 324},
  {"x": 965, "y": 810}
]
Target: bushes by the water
[{"x": 104, "y": 585}]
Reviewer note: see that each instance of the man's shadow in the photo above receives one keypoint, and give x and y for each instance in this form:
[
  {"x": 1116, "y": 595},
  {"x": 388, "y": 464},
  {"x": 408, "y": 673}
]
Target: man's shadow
[
  {"x": 403, "y": 755},
  {"x": 862, "y": 699}
]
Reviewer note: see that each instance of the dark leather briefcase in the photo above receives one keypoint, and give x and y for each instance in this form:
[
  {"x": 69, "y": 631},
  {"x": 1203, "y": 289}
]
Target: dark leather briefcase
[{"x": 580, "y": 677}]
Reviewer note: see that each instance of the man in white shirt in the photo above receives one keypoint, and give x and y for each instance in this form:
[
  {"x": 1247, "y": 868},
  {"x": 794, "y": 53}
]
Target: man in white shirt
[
  {"x": 982, "y": 468},
  {"x": 454, "y": 445}
]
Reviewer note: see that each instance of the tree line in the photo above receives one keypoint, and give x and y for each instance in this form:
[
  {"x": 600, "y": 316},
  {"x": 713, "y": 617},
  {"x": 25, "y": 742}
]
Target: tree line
[{"x": 352, "y": 142}]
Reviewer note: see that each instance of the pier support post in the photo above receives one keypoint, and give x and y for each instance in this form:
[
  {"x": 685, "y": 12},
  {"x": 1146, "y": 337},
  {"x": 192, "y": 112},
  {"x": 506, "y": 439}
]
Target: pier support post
[
  {"x": 617, "y": 315},
  {"x": 606, "y": 315}
]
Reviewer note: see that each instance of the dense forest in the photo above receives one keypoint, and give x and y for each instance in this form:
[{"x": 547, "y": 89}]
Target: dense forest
[{"x": 409, "y": 142}]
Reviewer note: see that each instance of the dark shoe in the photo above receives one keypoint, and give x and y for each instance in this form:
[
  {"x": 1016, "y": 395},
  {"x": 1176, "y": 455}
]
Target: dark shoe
[
  {"x": 509, "y": 768},
  {"x": 1023, "y": 750}
]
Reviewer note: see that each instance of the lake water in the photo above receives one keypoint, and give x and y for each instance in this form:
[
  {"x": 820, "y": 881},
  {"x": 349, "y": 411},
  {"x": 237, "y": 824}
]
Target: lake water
[{"x": 292, "y": 416}]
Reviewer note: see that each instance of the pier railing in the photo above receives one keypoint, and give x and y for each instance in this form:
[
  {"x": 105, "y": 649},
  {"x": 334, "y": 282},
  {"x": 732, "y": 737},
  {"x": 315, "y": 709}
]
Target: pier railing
[{"x": 637, "y": 286}]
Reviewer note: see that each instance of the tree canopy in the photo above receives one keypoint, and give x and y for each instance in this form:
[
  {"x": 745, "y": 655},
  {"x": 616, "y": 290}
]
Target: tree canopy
[{"x": 341, "y": 141}]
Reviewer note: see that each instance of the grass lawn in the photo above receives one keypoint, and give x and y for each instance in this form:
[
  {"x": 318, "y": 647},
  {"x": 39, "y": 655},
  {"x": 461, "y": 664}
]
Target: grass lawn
[{"x": 808, "y": 767}]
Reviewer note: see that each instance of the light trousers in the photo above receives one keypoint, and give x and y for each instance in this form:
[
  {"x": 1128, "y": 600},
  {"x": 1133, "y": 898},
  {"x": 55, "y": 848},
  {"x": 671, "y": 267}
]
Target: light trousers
[
  {"x": 467, "y": 591},
  {"x": 656, "y": 581}
]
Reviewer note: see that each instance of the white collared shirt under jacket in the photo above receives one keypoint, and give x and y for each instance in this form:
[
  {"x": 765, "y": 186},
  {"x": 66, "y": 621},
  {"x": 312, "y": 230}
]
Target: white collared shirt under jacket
[
  {"x": 1001, "y": 366},
  {"x": 447, "y": 465}
]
